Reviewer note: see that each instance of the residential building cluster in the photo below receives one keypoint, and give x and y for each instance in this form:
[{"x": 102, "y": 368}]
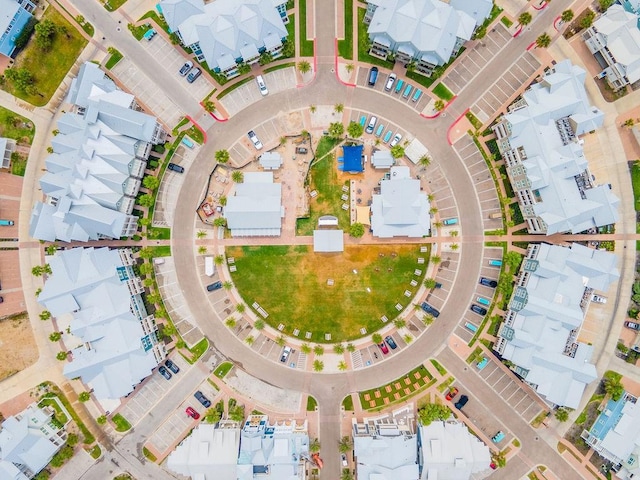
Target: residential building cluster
[
  {"x": 423, "y": 33},
  {"x": 228, "y": 33},
  {"x": 97, "y": 165},
  {"x": 539, "y": 335},
  {"x": 546, "y": 165},
  {"x": 389, "y": 448},
  {"x": 226, "y": 452},
  {"x": 28, "y": 442},
  {"x": 116, "y": 343}
]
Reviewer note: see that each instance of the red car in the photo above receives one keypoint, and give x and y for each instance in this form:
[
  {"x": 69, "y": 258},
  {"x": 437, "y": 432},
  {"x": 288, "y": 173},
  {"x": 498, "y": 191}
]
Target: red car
[
  {"x": 383, "y": 347},
  {"x": 192, "y": 413},
  {"x": 452, "y": 393}
]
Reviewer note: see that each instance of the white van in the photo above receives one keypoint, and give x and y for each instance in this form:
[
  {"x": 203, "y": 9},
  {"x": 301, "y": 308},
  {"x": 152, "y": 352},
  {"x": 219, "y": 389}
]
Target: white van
[
  {"x": 209, "y": 267},
  {"x": 372, "y": 124},
  {"x": 262, "y": 86}
]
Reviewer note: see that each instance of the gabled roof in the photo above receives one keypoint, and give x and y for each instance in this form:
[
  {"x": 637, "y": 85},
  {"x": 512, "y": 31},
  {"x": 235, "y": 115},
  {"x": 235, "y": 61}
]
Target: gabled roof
[
  {"x": 256, "y": 206},
  {"x": 386, "y": 457},
  {"x": 270, "y": 160}
]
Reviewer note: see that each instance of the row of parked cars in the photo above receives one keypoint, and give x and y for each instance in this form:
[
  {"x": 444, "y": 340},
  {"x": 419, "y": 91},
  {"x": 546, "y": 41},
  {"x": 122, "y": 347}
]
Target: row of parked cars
[
  {"x": 191, "y": 73},
  {"x": 400, "y": 86}
]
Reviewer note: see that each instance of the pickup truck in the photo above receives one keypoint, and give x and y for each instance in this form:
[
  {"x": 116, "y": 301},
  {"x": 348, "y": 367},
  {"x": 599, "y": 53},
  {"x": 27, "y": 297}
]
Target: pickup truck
[
  {"x": 429, "y": 309},
  {"x": 301, "y": 150}
]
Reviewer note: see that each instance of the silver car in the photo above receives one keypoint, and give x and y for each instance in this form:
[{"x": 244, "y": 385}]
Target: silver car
[{"x": 254, "y": 139}]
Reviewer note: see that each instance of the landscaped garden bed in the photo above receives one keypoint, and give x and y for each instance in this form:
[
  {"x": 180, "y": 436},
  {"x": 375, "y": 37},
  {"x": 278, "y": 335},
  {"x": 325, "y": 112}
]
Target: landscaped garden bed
[{"x": 413, "y": 382}]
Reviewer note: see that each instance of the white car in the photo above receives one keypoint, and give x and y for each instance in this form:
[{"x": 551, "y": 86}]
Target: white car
[
  {"x": 285, "y": 354},
  {"x": 262, "y": 86},
  {"x": 390, "y": 81},
  {"x": 395, "y": 140},
  {"x": 599, "y": 299},
  {"x": 254, "y": 139}
]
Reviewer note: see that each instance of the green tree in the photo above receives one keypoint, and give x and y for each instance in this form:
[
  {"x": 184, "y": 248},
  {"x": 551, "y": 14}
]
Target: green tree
[
  {"x": 525, "y": 18},
  {"x": 399, "y": 323},
  {"x": 338, "y": 108},
  {"x": 201, "y": 234},
  {"x": 356, "y": 230},
  {"x": 314, "y": 445},
  {"x": 318, "y": 365},
  {"x": 288, "y": 48},
  {"x": 249, "y": 340},
  {"x": 45, "y": 31},
  {"x": 21, "y": 78},
  {"x": 223, "y": 201},
  {"x": 345, "y": 444},
  {"x": 397, "y": 151},
  {"x": 266, "y": 57},
  {"x": 209, "y": 106},
  {"x": 84, "y": 396},
  {"x": 407, "y": 338},
  {"x": 304, "y": 67},
  {"x": 202, "y": 249},
  {"x": 438, "y": 105},
  {"x": 306, "y": 348},
  {"x": 38, "y": 291},
  {"x": 237, "y": 176},
  {"x": 587, "y": 20},
  {"x": 425, "y": 161},
  {"x": 55, "y": 336},
  {"x": 567, "y": 16},
  {"x": 230, "y": 322},
  {"x": 377, "y": 338},
  {"x": 80, "y": 19},
  {"x": 37, "y": 271},
  {"x": 146, "y": 268},
  {"x": 338, "y": 348},
  {"x": 435, "y": 259},
  {"x": 150, "y": 182},
  {"x": 431, "y": 412},
  {"x": 430, "y": 283},
  {"x": 227, "y": 285},
  {"x": 318, "y": 350},
  {"x": 46, "y": 268},
  {"x": 614, "y": 388},
  {"x": 259, "y": 324},
  {"x": 61, "y": 356},
  {"x": 154, "y": 298},
  {"x": 562, "y": 414},
  {"x": 336, "y": 129},
  {"x": 222, "y": 156},
  {"x": 499, "y": 459},
  {"x": 543, "y": 41},
  {"x": 212, "y": 416},
  {"x": 346, "y": 474},
  {"x": 243, "y": 68},
  {"x": 146, "y": 253},
  {"x": 220, "y": 222},
  {"x": 51, "y": 249},
  {"x": 428, "y": 319},
  {"x": 101, "y": 420},
  {"x": 146, "y": 200},
  {"x": 355, "y": 130},
  {"x": 351, "y": 347},
  {"x": 604, "y": 4},
  {"x": 45, "y": 315}
]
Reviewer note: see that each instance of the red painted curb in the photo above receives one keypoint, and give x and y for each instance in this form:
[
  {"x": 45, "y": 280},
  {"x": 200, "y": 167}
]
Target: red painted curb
[
  {"x": 431, "y": 117},
  {"x": 453, "y": 124},
  {"x": 542, "y": 7},
  {"x": 555, "y": 23},
  {"x": 211, "y": 113},
  {"x": 315, "y": 65},
  {"x": 195, "y": 124},
  {"x": 518, "y": 32},
  {"x": 531, "y": 45},
  {"x": 335, "y": 55}
]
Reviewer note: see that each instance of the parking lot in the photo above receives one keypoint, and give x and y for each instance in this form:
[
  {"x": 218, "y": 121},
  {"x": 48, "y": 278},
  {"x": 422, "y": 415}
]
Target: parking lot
[
  {"x": 472, "y": 62},
  {"x": 517, "y": 77},
  {"x": 249, "y": 93},
  {"x": 171, "y": 58},
  {"x": 411, "y": 93},
  {"x": 171, "y": 185},
  {"x": 10, "y": 191},
  {"x": 484, "y": 185}
]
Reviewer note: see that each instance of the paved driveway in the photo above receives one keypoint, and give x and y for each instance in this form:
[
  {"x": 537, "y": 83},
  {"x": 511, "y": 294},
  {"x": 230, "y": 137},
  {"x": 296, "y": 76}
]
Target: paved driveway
[
  {"x": 148, "y": 92},
  {"x": 171, "y": 58},
  {"x": 248, "y": 94}
]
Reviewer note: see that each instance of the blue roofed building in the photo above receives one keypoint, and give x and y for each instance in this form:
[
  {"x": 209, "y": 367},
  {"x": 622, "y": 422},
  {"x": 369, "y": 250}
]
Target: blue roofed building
[
  {"x": 352, "y": 158},
  {"x": 14, "y": 15}
]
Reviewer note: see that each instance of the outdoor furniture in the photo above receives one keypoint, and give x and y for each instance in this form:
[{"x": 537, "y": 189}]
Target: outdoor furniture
[
  {"x": 327, "y": 336},
  {"x": 233, "y": 268},
  {"x": 363, "y": 331},
  {"x": 330, "y": 282},
  {"x": 413, "y": 283},
  {"x": 296, "y": 332},
  {"x": 423, "y": 249},
  {"x": 384, "y": 319},
  {"x": 398, "y": 307},
  {"x": 307, "y": 335},
  {"x": 345, "y": 206},
  {"x": 280, "y": 327},
  {"x": 420, "y": 260},
  {"x": 231, "y": 260},
  {"x": 313, "y": 194},
  {"x": 344, "y": 196},
  {"x": 345, "y": 188},
  {"x": 417, "y": 272},
  {"x": 407, "y": 293}
]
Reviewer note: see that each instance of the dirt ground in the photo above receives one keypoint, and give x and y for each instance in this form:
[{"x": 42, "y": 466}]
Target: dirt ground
[{"x": 19, "y": 349}]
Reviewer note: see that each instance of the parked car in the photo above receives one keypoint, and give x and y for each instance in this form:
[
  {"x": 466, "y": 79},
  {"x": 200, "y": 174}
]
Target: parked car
[
  {"x": 1, "y": 299},
  {"x": 285, "y": 354},
  {"x": 462, "y": 402},
  {"x": 429, "y": 309},
  {"x": 214, "y": 286},
  {"x": 206, "y": 403},
  {"x": 175, "y": 168},
  {"x": 452, "y": 393},
  {"x": 391, "y": 342},
  {"x": 301, "y": 150},
  {"x": 373, "y": 76},
  {"x": 478, "y": 309},
  {"x": 254, "y": 139},
  {"x": 599, "y": 299},
  {"x": 487, "y": 282},
  {"x": 632, "y": 325},
  {"x": 498, "y": 437},
  {"x": 343, "y": 459},
  {"x": 482, "y": 363},
  {"x": 164, "y": 372},
  {"x": 186, "y": 68},
  {"x": 450, "y": 221},
  {"x": 390, "y": 81},
  {"x": 193, "y": 74},
  {"x": 192, "y": 413},
  {"x": 395, "y": 140},
  {"x": 383, "y": 346},
  {"x": 372, "y": 124},
  {"x": 262, "y": 86},
  {"x": 171, "y": 366}
]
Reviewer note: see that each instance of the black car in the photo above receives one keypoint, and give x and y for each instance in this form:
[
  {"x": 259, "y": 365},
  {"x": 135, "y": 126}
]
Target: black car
[
  {"x": 175, "y": 168},
  {"x": 462, "y": 402},
  {"x": 171, "y": 366},
  {"x": 164, "y": 372},
  {"x": 478, "y": 309},
  {"x": 391, "y": 342},
  {"x": 487, "y": 282},
  {"x": 214, "y": 286},
  {"x": 206, "y": 403},
  {"x": 429, "y": 309}
]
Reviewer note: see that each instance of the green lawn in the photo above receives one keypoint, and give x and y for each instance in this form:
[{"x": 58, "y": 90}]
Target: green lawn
[
  {"x": 345, "y": 47},
  {"x": 441, "y": 370},
  {"x": 16, "y": 127},
  {"x": 635, "y": 183},
  {"x": 230, "y": 89},
  {"x": 312, "y": 404},
  {"x": 48, "y": 68},
  {"x": 115, "y": 57},
  {"x": 443, "y": 92},
  {"x": 347, "y": 403},
  {"x": 279, "y": 67},
  {"x": 506, "y": 22},
  {"x": 121, "y": 423},
  {"x": 18, "y": 164},
  {"x": 306, "y": 46},
  {"x": 477, "y": 124},
  {"x": 223, "y": 369},
  {"x": 304, "y": 301},
  {"x": 399, "y": 389},
  {"x": 325, "y": 178},
  {"x": 113, "y": 5},
  {"x": 363, "y": 44},
  {"x": 291, "y": 34},
  {"x": 161, "y": 251}
]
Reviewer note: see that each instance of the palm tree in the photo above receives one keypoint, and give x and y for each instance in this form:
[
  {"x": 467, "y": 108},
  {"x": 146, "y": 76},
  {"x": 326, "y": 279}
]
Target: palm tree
[
  {"x": 453, "y": 233},
  {"x": 304, "y": 67},
  {"x": 222, "y": 156},
  {"x": 218, "y": 259},
  {"x": 249, "y": 340},
  {"x": 399, "y": 323},
  {"x": 425, "y": 161},
  {"x": 202, "y": 249},
  {"x": 259, "y": 324},
  {"x": 314, "y": 446},
  {"x": 338, "y": 348},
  {"x": 455, "y": 246},
  {"x": 408, "y": 339},
  {"x": 312, "y": 108},
  {"x": 430, "y": 283},
  {"x": 567, "y": 16},
  {"x": 201, "y": 234},
  {"x": 280, "y": 341},
  {"x": 318, "y": 350},
  {"x": 209, "y": 106},
  {"x": 318, "y": 365},
  {"x": 342, "y": 365},
  {"x": 230, "y": 322},
  {"x": 345, "y": 444},
  {"x": 376, "y": 337},
  {"x": 438, "y": 105},
  {"x": 305, "y": 348},
  {"x": 37, "y": 271},
  {"x": 436, "y": 259},
  {"x": 525, "y": 18},
  {"x": 241, "y": 307},
  {"x": 338, "y": 108},
  {"x": 351, "y": 347},
  {"x": 228, "y": 286},
  {"x": 543, "y": 41},
  {"x": 350, "y": 67},
  {"x": 237, "y": 176}
]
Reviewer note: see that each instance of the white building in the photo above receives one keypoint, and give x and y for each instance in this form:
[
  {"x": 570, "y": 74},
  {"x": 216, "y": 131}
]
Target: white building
[
  {"x": 28, "y": 442},
  {"x": 114, "y": 343},
  {"x": 448, "y": 451},
  {"x": 226, "y": 33},
  {"x": 539, "y": 141},
  {"x": 614, "y": 41},
  {"x": 540, "y": 331}
]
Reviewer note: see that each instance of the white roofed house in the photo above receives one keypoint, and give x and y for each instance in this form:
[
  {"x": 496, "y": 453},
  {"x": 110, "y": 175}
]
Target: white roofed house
[
  {"x": 28, "y": 442},
  {"x": 116, "y": 339},
  {"x": 426, "y": 33},
  {"x": 255, "y": 208},
  {"x": 541, "y": 329},
  {"x": 539, "y": 141},
  {"x": 614, "y": 41},
  {"x": 401, "y": 209},
  {"x": 270, "y": 160},
  {"x": 7, "y": 146},
  {"x": 226, "y": 33},
  {"x": 98, "y": 161}
]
